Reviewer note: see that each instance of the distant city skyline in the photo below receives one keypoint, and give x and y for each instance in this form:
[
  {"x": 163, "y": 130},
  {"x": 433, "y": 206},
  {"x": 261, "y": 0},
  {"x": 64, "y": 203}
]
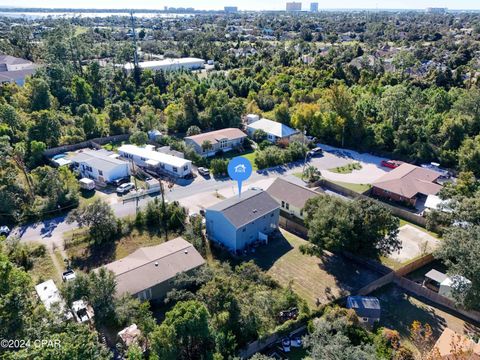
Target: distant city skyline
[{"x": 245, "y": 4}]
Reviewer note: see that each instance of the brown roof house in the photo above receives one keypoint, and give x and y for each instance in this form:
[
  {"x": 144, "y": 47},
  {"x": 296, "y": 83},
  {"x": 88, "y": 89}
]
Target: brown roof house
[
  {"x": 406, "y": 184},
  {"x": 451, "y": 345},
  {"x": 148, "y": 272},
  {"x": 219, "y": 140},
  {"x": 291, "y": 197}
]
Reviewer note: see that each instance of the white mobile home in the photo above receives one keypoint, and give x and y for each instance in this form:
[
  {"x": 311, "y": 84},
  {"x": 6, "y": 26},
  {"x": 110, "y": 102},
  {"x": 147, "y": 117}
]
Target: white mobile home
[
  {"x": 100, "y": 166},
  {"x": 147, "y": 157},
  {"x": 52, "y": 300}
]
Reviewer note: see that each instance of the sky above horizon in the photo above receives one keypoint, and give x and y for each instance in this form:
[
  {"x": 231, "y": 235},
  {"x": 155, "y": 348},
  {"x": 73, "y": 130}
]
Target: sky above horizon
[{"x": 244, "y": 4}]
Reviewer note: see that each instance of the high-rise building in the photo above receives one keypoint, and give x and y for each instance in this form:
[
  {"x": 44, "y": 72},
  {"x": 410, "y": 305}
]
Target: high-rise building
[
  {"x": 230, "y": 9},
  {"x": 314, "y": 7},
  {"x": 294, "y": 6}
]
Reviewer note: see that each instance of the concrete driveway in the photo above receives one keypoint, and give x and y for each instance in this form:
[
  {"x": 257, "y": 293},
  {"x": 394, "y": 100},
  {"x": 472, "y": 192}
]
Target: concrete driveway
[
  {"x": 371, "y": 166},
  {"x": 415, "y": 243}
]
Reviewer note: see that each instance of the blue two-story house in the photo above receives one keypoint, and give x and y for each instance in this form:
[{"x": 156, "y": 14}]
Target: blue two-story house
[{"x": 240, "y": 221}]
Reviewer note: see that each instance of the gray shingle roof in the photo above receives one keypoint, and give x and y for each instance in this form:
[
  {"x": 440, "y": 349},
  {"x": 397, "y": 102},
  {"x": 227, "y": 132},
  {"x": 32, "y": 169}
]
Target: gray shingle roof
[
  {"x": 149, "y": 266},
  {"x": 291, "y": 193},
  {"x": 252, "y": 205}
]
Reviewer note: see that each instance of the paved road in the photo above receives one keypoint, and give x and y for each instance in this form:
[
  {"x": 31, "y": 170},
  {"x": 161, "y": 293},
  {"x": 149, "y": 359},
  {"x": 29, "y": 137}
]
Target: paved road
[{"x": 50, "y": 232}]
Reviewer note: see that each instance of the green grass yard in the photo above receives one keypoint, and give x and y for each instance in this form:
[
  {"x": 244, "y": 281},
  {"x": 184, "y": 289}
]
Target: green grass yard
[
  {"x": 44, "y": 269},
  {"x": 359, "y": 188},
  {"x": 311, "y": 277},
  {"x": 347, "y": 169},
  {"x": 82, "y": 255}
]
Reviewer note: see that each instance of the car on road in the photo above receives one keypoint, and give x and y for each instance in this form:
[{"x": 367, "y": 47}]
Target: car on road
[
  {"x": 315, "y": 152},
  {"x": 68, "y": 275},
  {"x": 120, "y": 181},
  {"x": 203, "y": 171},
  {"x": 4, "y": 230},
  {"x": 392, "y": 164},
  {"x": 48, "y": 229},
  {"x": 125, "y": 188},
  {"x": 296, "y": 342},
  {"x": 286, "y": 345}
]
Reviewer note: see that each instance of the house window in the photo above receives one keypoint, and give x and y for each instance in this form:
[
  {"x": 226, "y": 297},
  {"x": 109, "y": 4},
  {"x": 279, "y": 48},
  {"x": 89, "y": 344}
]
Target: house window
[
  {"x": 89, "y": 168},
  {"x": 100, "y": 172},
  {"x": 175, "y": 169},
  {"x": 185, "y": 167},
  {"x": 283, "y": 204},
  {"x": 287, "y": 206},
  {"x": 244, "y": 229},
  {"x": 271, "y": 215},
  {"x": 223, "y": 143},
  {"x": 143, "y": 159}
]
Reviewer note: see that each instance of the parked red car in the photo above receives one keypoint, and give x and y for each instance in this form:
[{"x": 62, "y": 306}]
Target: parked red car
[{"x": 392, "y": 164}]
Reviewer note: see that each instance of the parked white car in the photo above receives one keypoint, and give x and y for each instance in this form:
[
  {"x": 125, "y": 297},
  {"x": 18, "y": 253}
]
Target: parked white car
[
  {"x": 68, "y": 275},
  {"x": 4, "y": 230},
  {"x": 125, "y": 188}
]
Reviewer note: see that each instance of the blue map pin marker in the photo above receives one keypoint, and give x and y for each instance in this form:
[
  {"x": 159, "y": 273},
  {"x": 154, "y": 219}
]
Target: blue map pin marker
[{"x": 239, "y": 169}]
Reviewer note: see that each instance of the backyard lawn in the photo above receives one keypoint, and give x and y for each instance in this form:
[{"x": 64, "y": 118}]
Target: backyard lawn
[
  {"x": 85, "y": 257},
  {"x": 326, "y": 278},
  {"x": 359, "y": 188}
]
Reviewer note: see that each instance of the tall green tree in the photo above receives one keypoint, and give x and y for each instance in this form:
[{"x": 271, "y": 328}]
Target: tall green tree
[
  {"x": 184, "y": 334},
  {"x": 359, "y": 226},
  {"x": 100, "y": 220}
]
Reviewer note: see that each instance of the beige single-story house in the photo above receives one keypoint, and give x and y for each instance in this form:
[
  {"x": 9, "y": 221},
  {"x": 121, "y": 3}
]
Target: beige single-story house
[{"x": 219, "y": 140}]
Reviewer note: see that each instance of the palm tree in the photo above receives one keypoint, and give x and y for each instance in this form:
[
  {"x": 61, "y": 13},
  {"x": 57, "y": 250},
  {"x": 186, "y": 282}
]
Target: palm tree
[{"x": 311, "y": 174}]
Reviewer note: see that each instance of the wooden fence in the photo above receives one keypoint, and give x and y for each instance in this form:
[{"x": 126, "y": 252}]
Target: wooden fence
[
  {"x": 398, "y": 277},
  {"x": 92, "y": 143},
  {"x": 418, "y": 290},
  {"x": 287, "y": 222}
]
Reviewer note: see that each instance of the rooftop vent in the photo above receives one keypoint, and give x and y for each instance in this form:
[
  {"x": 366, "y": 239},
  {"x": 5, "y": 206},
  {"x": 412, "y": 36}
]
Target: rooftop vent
[
  {"x": 254, "y": 210},
  {"x": 186, "y": 251},
  {"x": 156, "y": 263}
]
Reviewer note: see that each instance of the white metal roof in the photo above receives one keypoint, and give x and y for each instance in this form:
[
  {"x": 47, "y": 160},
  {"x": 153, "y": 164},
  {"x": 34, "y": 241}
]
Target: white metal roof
[
  {"x": 50, "y": 295},
  {"x": 273, "y": 127},
  {"x": 98, "y": 159},
  {"x": 152, "y": 155},
  {"x": 86, "y": 181},
  {"x": 166, "y": 63}
]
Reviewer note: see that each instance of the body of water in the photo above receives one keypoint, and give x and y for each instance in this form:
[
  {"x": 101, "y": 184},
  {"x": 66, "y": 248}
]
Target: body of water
[{"x": 41, "y": 15}]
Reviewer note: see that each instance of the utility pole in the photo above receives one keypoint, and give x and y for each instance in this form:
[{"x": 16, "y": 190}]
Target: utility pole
[
  {"x": 306, "y": 153},
  {"x": 134, "y": 40},
  {"x": 164, "y": 209}
]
